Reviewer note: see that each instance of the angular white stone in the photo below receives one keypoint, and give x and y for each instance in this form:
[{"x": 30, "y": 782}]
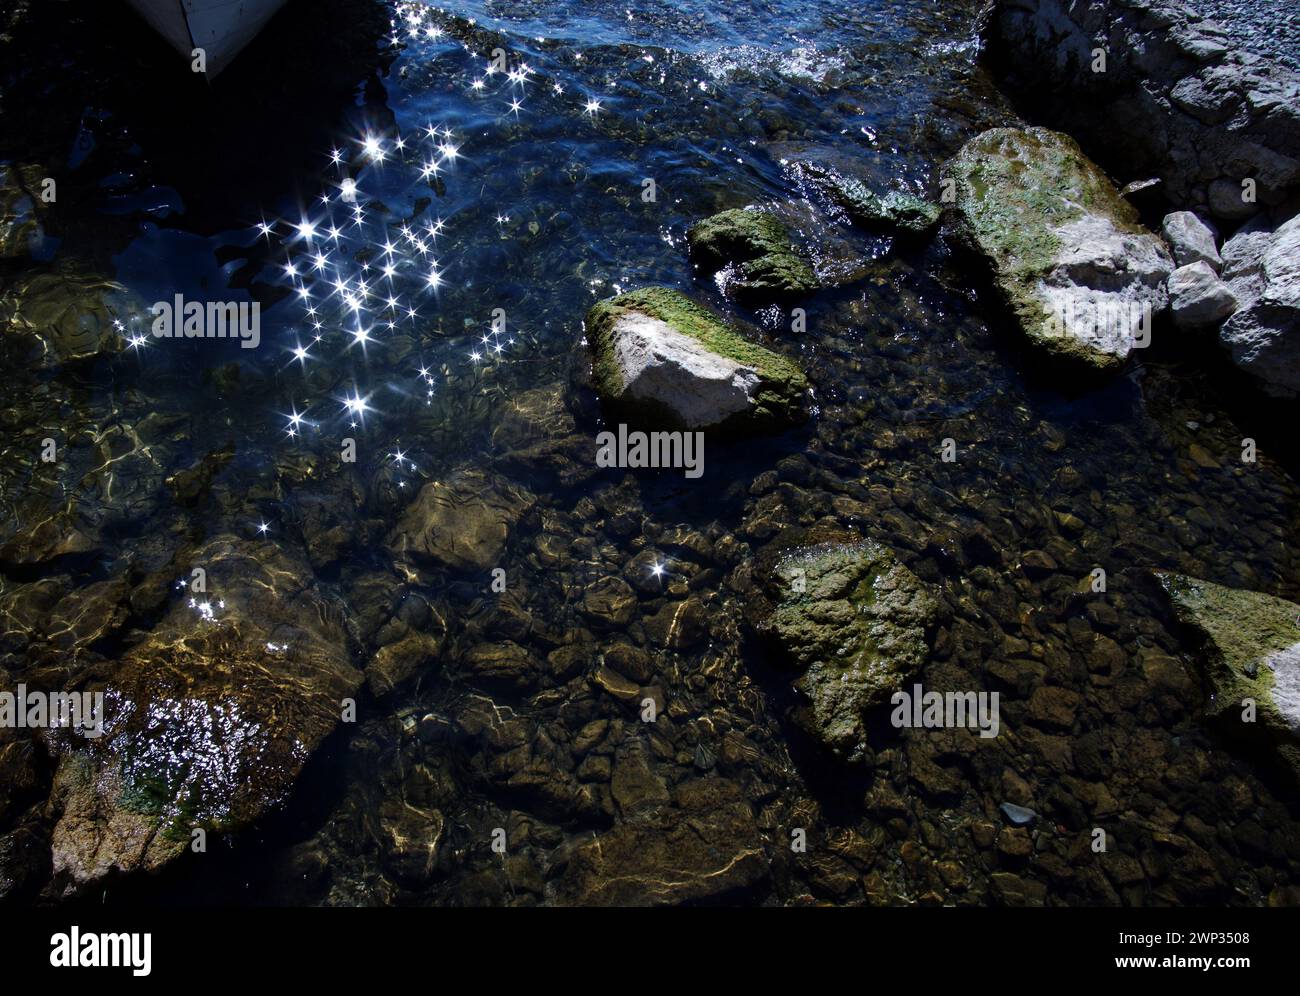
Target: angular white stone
[
  {"x": 1191, "y": 239},
  {"x": 659, "y": 364}
]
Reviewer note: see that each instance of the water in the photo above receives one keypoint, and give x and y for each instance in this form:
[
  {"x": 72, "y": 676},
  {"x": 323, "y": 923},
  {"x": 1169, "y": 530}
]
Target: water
[{"x": 508, "y": 209}]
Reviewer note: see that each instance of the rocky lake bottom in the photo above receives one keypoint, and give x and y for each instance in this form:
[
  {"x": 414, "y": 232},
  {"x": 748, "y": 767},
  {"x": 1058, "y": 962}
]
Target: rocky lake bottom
[{"x": 501, "y": 610}]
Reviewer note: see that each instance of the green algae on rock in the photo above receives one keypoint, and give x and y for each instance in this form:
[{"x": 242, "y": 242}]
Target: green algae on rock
[
  {"x": 1066, "y": 252},
  {"x": 1251, "y": 651},
  {"x": 751, "y": 254},
  {"x": 660, "y": 358},
  {"x": 854, "y": 620},
  {"x": 207, "y": 720},
  {"x": 901, "y": 213}
]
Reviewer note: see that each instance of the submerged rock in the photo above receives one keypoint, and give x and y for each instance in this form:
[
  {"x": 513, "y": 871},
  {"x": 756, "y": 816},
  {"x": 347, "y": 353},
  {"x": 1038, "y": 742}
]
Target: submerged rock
[
  {"x": 894, "y": 210},
  {"x": 751, "y": 255},
  {"x": 1066, "y": 252},
  {"x": 704, "y": 847},
  {"x": 1251, "y": 651},
  {"x": 207, "y": 720},
  {"x": 1262, "y": 267},
  {"x": 65, "y": 317},
  {"x": 659, "y": 358},
  {"x": 21, "y": 232},
  {"x": 853, "y": 620},
  {"x": 462, "y": 523}
]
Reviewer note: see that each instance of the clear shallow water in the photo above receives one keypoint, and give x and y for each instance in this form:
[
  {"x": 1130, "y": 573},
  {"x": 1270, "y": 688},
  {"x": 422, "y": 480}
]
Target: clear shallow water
[{"x": 535, "y": 208}]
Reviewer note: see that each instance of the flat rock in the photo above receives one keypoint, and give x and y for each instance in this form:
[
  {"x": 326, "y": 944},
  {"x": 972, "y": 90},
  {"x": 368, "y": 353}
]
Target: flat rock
[
  {"x": 462, "y": 523},
  {"x": 704, "y": 847}
]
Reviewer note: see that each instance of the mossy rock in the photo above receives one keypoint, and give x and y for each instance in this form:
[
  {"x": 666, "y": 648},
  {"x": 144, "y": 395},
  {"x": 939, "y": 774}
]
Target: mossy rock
[
  {"x": 736, "y": 383},
  {"x": 1054, "y": 230},
  {"x": 903, "y": 214},
  {"x": 1250, "y": 651},
  {"x": 854, "y": 621},
  {"x": 753, "y": 251}
]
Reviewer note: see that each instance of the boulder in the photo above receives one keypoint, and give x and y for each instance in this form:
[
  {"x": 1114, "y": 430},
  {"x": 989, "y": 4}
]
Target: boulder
[
  {"x": 1178, "y": 96},
  {"x": 1065, "y": 251},
  {"x": 1261, "y": 265},
  {"x": 208, "y": 719},
  {"x": 853, "y": 621},
  {"x": 750, "y": 256},
  {"x": 1250, "y": 649},
  {"x": 1198, "y": 298},
  {"x": 660, "y": 359},
  {"x": 1191, "y": 239}
]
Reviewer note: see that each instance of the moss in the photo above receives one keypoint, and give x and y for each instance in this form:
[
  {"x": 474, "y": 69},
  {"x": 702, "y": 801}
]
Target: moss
[
  {"x": 1014, "y": 189},
  {"x": 782, "y": 386},
  {"x": 1246, "y": 634},
  {"x": 758, "y": 245}
]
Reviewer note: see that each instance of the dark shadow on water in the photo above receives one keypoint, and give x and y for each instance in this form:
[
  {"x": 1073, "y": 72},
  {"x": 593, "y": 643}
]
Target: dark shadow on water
[{"x": 91, "y": 93}]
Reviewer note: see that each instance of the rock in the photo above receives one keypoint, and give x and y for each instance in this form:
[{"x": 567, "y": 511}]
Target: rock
[
  {"x": 853, "y": 620},
  {"x": 1193, "y": 106},
  {"x": 894, "y": 211},
  {"x": 634, "y": 784},
  {"x": 750, "y": 256},
  {"x": 462, "y": 523},
  {"x": 1228, "y": 201},
  {"x": 207, "y": 719},
  {"x": 66, "y": 316},
  {"x": 21, "y": 233},
  {"x": 1066, "y": 252},
  {"x": 615, "y": 684},
  {"x": 505, "y": 664},
  {"x": 1191, "y": 239},
  {"x": 609, "y": 601},
  {"x": 1198, "y": 298},
  {"x": 1262, "y": 267},
  {"x": 394, "y": 664},
  {"x": 1019, "y": 816},
  {"x": 660, "y": 359},
  {"x": 1250, "y": 650},
  {"x": 703, "y": 848},
  {"x": 679, "y": 625}
]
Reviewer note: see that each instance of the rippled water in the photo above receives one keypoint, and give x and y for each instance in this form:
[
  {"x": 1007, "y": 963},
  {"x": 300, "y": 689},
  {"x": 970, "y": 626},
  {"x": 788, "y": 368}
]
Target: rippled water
[{"x": 522, "y": 191}]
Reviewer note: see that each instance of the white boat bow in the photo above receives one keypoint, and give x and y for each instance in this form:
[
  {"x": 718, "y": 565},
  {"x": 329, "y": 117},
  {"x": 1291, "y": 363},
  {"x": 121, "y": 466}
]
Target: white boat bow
[{"x": 220, "y": 27}]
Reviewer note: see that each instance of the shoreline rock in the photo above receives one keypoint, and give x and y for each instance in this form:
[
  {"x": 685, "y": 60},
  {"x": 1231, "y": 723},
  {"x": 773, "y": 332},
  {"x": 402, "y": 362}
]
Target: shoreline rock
[
  {"x": 1065, "y": 251},
  {"x": 1261, "y": 266},
  {"x": 1193, "y": 108}
]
